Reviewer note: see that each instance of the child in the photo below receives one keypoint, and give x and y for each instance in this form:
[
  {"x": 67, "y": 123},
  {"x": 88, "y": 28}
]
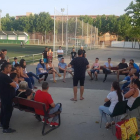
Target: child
[
  {"x": 14, "y": 77},
  {"x": 15, "y": 62}
]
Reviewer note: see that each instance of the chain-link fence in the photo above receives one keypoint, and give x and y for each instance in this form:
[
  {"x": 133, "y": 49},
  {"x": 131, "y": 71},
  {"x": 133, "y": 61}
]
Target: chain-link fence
[{"x": 69, "y": 31}]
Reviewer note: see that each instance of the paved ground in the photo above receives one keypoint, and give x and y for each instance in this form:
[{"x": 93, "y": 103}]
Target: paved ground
[{"x": 78, "y": 118}]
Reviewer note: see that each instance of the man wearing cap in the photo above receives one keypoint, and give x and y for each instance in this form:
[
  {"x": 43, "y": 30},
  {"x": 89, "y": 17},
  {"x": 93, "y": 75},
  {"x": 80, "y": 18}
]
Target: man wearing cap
[
  {"x": 123, "y": 68},
  {"x": 15, "y": 61}
]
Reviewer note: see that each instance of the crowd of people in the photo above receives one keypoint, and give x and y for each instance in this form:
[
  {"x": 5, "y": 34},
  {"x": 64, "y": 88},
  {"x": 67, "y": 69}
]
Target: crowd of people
[{"x": 16, "y": 81}]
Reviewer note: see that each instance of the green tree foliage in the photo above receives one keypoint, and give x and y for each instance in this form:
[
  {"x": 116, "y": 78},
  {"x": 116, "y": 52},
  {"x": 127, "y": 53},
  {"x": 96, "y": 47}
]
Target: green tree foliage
[{"x": 38, "y": 23}]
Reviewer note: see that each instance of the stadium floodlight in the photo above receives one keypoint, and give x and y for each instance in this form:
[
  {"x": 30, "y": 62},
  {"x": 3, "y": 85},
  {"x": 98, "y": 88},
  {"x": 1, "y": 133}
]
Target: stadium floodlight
[
  {"x": 62, "y": 10},
  {"x": 0, "y": 18}
]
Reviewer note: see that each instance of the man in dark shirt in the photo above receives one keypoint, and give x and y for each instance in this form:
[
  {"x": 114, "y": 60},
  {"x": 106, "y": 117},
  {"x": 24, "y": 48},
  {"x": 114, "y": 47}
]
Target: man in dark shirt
[
  {"x": 7, "y": 93},
  {"x": 45, "y": 55},
  {"x": 83, "y": 52},
  {"x": 2, "y": 61},
  {"x": 80, "y": 65},
  {"x": 73, "y": 54},
  {"x": 123, "y": 68}
]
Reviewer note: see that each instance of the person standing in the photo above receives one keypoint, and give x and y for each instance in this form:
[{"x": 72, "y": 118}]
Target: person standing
[
  {"x": 2, "y": 61},
  {"x": 50, "y": 54},
  {"x": 73, "y": 54},
  {"x": 80, "y": 65},
  {"x": 45, "y": 55},
  {"x": 60, "y": 53},
  {"x": 4, "y": 51},
  {"x": 7, "y": 93},
  {"x": 83, "y": 52}
]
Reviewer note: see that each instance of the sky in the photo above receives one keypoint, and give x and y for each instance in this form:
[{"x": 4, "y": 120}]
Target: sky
[{"x": 75, "y": 7}]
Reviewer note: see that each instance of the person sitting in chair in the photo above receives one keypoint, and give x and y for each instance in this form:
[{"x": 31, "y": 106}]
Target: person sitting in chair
[
  {"x": 41, "y": 70},
  {"x": 94, "y": 69},
  {"x": 114, "y": 97},
  {"x": 63, "y": 69},
  {"x": 52, "y": 70},
  {"x": 43, "y": 96},
  {"x": 107, "y": 68},
  {"x": 123, "y": 69}
]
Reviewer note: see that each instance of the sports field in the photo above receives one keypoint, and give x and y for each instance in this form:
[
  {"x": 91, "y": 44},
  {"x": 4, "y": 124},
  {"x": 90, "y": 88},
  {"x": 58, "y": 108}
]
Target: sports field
[{"x": 16, "y": 50}]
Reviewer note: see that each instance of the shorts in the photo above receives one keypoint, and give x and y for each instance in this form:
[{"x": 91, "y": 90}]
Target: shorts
[
  {"x": 61, "y": 71},
  {"x": 93, "y": 71},
  {"x": 45, "y": 60},
  {"x": 76, "y": 80}
]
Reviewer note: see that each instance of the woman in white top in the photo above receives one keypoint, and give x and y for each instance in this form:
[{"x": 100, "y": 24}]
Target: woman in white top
[
  {"x": 52, "y": 70},
  {"x": 133, "y": 93},
  {"x": 114, "y": 97}
]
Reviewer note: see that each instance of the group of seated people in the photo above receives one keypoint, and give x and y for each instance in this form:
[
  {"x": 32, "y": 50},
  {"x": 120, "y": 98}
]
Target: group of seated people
[{"x": 40, "y": 96}]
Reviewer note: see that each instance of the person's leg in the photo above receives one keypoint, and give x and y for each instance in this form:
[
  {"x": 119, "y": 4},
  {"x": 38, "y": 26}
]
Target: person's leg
[
  {"x": 127, "y": 78},
  {"x": 104, "y": 110},
  {"x": 106, "y": 72},
  {"x": 55, "y": 109},
  {"x": 81, "y": 88},
  {"x": 8, "y": 109},
  {"x": 54, "y": 76},
  {"x": 96, "y": 74},
  {"x": 64, "y": 75},
  {"x": 31, "y": 74},
  {"x": 125, "y": 85},
  {"x": 32, "y": 80},
  {"x": 46, "y": 75},
  {"x": 75, "y": 83},
  {"x": 29, "y": 82},
  {"x": 90, "y": 74}
]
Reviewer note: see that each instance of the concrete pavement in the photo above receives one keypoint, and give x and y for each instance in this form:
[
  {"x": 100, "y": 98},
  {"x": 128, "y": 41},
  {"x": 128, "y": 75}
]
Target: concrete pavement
[{"x": 78, "y": 118}]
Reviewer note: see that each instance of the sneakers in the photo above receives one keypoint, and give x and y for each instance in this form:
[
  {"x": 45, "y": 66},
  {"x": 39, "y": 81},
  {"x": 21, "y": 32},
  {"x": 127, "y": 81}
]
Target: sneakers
[
  {"x": 123, "y": 82},
  {"x": 9, "y": 130},
  {"x": 54, "y": 124},
  {"x": 47, "y": 122}
]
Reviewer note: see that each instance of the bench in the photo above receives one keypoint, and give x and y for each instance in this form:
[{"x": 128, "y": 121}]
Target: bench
[{"x": 36, "y": 105}]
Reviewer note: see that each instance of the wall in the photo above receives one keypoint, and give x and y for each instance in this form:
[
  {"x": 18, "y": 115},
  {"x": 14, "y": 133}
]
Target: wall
[
  {"x": 22, "y": 37},
  {"x": 3, "y": 37},
  {"x": 122, "y": 44},
  {"x": 12, "y": 37}
]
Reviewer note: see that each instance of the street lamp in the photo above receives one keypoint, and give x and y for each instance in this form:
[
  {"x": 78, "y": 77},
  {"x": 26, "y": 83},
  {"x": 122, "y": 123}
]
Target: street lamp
[
  {"x": 0, "y": 18},
  {"x": 62, "y": 10}
]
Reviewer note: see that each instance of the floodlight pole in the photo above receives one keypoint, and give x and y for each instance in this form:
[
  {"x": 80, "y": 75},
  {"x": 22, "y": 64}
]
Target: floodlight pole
[
  {"x": 0, "y": 19},
  {"x": 54, "y": 37},
  {"x": 62, "y": 10}
]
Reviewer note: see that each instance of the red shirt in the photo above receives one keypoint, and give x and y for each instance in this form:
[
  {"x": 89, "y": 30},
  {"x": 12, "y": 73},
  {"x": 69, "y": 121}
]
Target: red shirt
[{"x": 43, "y": 97}]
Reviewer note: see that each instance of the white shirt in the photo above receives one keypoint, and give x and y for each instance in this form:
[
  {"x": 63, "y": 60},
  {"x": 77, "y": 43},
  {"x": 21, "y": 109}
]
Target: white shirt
[
  {"x": 60, "y": 51},
  {"x": 113, "y": 97},
  {"x": 132, "y": 99},
  {"x": 107, "y": 65}
]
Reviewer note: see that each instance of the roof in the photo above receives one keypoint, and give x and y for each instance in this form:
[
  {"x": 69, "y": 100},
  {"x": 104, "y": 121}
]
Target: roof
[
  {"x": 2, "y": 33},
  {"x": 19, "y": 33},
  {"x": 9, "y": 32}
]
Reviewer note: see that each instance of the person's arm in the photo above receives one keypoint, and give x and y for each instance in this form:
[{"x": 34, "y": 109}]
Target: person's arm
[
  {"x": 70, "y": 58},
  {"x": 47, "y": 67},
  {"x": 13, "y": 84},
  {"x": 105, "y": 65},
  {"x": 92, "y": 66},
  {"x": 129, "y": 93},
  {"x": 87, "y": 66},
  {"x": 106, "y": 100},
  {"x": 60, "y": 68},
  {"x": 85, "y": 55},
  {"x": 69, "y": 65},
  {"x": 52, "y": 105},
  {"x": 21, "y": 73}
]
